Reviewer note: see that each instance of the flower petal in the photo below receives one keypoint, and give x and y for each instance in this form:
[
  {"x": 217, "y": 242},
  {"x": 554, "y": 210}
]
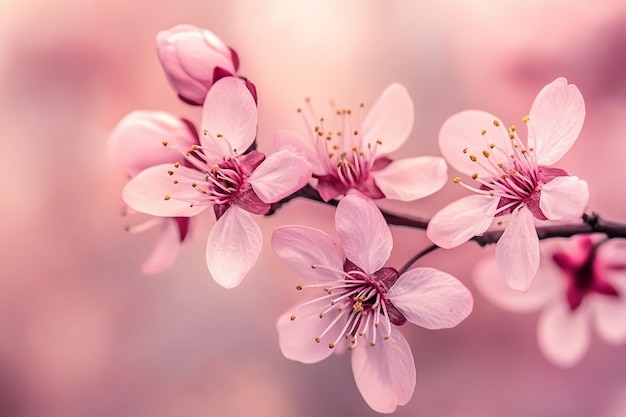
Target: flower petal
[
  {"x": 517, "y": 250},
  {"x": 492, "y": 286},
  {"x": 431, "y": 298},
  {"x": 461, "y": 220},
  {"x": 229, "y": 118},
  {"x": 390, "y": 119},
  {"x": 280, "y": 175},
  {"x": 166, "y": 249},
  {"x": 286, "y": 140},
  {"x": 555, "y": 120},
  {"x": 610, "y": 313},
  {"x": 364, "y": 233},
  {"x": 412, "y": 178},
  {"x": 469, "y": 133},
  {"x": 154, "y": 192},
  {"x": 296, "y": 338},
  {"x": 563, "y": 334},
  {"x": 564, "y": 198},
  {"x": 301, "y": 247},
  {"x": 233, "y": 247},
  {"x": 136, "y": 143},
  {"x": 385, "y": 373}
]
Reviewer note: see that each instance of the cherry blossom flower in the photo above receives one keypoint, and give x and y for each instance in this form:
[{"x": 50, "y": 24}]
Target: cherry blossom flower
[
  {"x": 134, "y": 145},
  {"x": 512, "y": 178},
  {"x": 362, "y": 301},
  {"x": 580, "y": 284},
  {"x": 348, "y": 153},
  {"x": 193, "y": 59},
  {"x": 215, "y": 174}
]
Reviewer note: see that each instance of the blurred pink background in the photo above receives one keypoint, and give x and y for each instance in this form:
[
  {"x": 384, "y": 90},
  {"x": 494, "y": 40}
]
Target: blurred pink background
[{"x": 85, "y": 334}]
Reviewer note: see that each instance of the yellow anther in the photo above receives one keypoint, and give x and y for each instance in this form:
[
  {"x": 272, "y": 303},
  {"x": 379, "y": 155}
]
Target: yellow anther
[
  {"x": 320, "y": 133},
  {"x": 177, "y": 164},
  {"x": 504, "y": 176},
  {"x": 331, "y": 345},
  {"x": 299, "y": 110},
  {"x": 473, "y": 158},
  {"x": 483, "y": 132},
  {"x": 194, "y": 185},
  {"x": 372, "y": 344},
  {"x": 512, "y": 135},
  {"x": 496, "y": 123},
  {"x": 456, "y": 180},
  {"x": 292, "y": 317},
  {"x": 464, "y": 150},
  {"x": 492, "y": 145},
  {"x": 164, "y": 143},
  {"x": 378, "y": 141},
  {"x": 525, "y": 118},
  {"x": 299, "y": 287},
  {"x": 356, "y": 132},
  {"x": 512, "y": 156},
  {"x": 175, "y": 181},
  {"x": 167, "y": 197},
  {"x": 169, "y": 171},
  {"x": 219, "y": 135},
  {"x": 317, "y": 339},
  {"x": 474, "y": 176},
  {"x": 194, "y": 147},
  {"x": 501, "y": 165},
  {"x": 513, "y": 128},
  {"x": 486, "y": 154},
  {"x": 321, "y": 315}
]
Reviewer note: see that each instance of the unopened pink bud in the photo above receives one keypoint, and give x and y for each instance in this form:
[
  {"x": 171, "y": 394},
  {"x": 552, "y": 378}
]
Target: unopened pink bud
[{"x": 193, "y": 59}]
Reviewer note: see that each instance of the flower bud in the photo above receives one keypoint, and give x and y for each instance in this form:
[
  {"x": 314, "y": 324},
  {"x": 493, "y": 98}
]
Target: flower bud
[{"x": 193, "y": 59}]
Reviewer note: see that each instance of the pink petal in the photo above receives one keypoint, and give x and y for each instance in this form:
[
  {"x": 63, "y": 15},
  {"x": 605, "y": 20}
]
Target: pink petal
[
  {"x": 412, "y": 178},
  {"x": 233, "y": 247},
  {"x": 295, "y": 143},
  {"x": 431, "y": 298},
  {"x": 364, "y": 233},
  {"x": 166, "y": 250},
  {"x": 517, "y": 250},
  {"x": 385, "y": 373},
  {"x": 137, "y": 141},
  {"x": 564, "y": 198},
  {"x": 229, "y": 118},
  {"x": 461, "y": 136},
  {"x": 301, "y": 247},
  {"x": 461, "y": 220},
  {"x": 148, "y": 192},
  {"x": 296, "y": 338},
  {"x": 610, "y": 313},
  {"x": 390, "y": 119},
  {"x": 280, "y": 175},
  {"x": 563, "y": 334},
  {"x": 556, "y": 118},
  {"x": 491, "y": 284}
]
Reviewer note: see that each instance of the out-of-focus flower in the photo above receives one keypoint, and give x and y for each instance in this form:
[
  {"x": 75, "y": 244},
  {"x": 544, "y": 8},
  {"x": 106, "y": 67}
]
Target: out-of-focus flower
[
  {"x": 581, "y": 283},
  {"x": 349, "y": 152},
  {"x": 360, "y": 301},
  {"x": 193, "y": 60},
  {"x": 512, "y": 178},
  {"x": 215, "y": 174},
  {"x": 136, "y": 144}
]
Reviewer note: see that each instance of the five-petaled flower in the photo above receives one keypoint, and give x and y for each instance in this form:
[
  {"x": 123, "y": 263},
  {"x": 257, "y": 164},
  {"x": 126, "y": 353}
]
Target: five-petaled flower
[
  {"x": 218, "y": 173},
  {"x": 350, "y": 154},
  {"x": 581, "y": 282},
  {"x": 513, "y": 178},
  {"x": 134, "y": 145},
  {"x": 361, "y": 301}
]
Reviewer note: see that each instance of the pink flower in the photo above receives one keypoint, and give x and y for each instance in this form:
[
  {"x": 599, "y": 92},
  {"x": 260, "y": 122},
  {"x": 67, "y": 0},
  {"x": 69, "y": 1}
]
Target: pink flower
[
  {"x": 512, "y": 178},
  {"x": 361, "y": 301},
  {"x": 135, "y": 145},
  {"x": 193, "y": 60},
  {"x": 216, "y": 174},
  {"x": 349, "y": 154},
  {"x": 580, "y": 284}
]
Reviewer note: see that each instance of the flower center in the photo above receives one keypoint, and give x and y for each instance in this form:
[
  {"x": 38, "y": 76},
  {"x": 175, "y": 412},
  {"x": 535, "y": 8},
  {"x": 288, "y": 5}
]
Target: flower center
[{"x": 358, "y": 306}]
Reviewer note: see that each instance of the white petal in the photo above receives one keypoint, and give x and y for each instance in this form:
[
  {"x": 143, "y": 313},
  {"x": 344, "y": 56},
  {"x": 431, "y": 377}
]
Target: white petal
[
  {"x": 301, "y": 247},
  {"x": 385, "y": 373},
  {"x": 461, "y": 220},
  {"x": 364, "y": 233},
  {"x": 431, "y": 298},
  {"x": 295, "y": 143},
  {"x": 491, "y": 284},
  {"x": 296, "y": 338},
  {"x": 233, "y": 247},
  {"x": 564, "y": 198},
  {"x": 280, "y": 175},
  {"x": 556, "y": 118},
  {"x": 563, "y": 334},
  {"x": 610, "y": 313},
  {"x": 412, "y": 178},
  {"x": 390, "y": 120},
  {"x": 517, "y": 250},
  {"x": 166, "y": 249}
]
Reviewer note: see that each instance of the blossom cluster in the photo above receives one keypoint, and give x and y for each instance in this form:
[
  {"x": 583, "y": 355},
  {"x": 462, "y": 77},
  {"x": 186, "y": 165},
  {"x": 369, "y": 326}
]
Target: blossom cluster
[{"x": 349, "y": 159}]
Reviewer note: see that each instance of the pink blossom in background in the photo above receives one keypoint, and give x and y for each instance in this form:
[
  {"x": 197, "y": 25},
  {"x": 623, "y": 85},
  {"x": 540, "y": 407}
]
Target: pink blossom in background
[
  {"x": 216, "y": 174},
  {"x": 136, "y": 144},
  {"x": 580, "y": 285},
  {"x": 513, "y": 178},
  {"x": 350, "y": 152},
  {"x": 193, "y": 60},
  {"x": 363, "y": 302}
]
